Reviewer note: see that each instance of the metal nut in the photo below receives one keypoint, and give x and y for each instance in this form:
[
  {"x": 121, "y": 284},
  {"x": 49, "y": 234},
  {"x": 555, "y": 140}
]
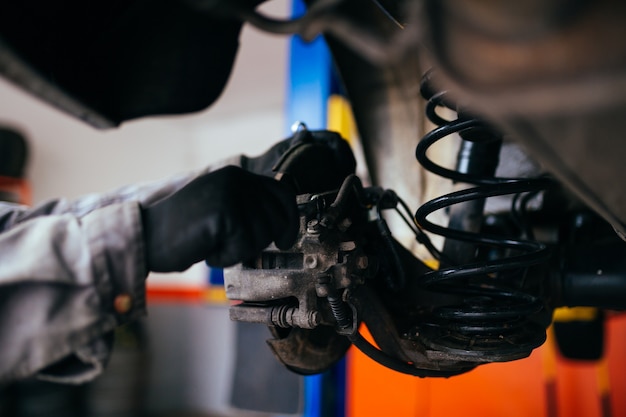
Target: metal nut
[
  {"x": 310, "y": 261},
  {"x": 313, "y": 227},
  {"x": 362, "y": 262},
  {"x": 347, "y": 246}
]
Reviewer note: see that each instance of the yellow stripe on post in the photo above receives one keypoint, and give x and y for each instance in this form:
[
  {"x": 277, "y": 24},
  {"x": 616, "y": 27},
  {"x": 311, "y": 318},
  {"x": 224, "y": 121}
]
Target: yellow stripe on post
[
  {"x": 568, "y": 314},
  {"x": 549, "y": 365},
  {"x": 340, "y": 119},
  {"x": 431, "y": 263},
  {"x": 604, "y": 384},
  {"x": 215, "y": 294}
]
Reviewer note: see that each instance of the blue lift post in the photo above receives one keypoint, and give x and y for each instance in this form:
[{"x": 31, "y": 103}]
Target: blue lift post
[
  {"x": 311, "y": 82},
  {"x": 310, "y": 78}
]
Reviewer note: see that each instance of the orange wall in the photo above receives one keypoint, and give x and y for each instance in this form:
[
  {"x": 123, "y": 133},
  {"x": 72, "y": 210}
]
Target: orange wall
[{"x": 514, "y": 389}]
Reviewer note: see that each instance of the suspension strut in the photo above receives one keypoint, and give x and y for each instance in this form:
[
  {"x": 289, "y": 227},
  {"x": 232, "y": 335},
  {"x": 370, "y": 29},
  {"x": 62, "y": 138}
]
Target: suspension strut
[
  {"x": 480, "y": 305},
  {"x": 497, "y": 318}
]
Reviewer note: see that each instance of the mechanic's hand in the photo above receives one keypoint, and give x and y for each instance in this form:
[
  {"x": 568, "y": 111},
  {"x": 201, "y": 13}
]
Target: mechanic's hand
[
  {"x": 225, "y": 217},
  {"x": 310, "y": 161}
]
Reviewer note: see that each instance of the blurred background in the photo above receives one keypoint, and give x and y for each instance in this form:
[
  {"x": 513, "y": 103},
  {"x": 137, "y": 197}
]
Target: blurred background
[
  {"x": 180, "y": 359},
  {"x": 187, "y": 358}
]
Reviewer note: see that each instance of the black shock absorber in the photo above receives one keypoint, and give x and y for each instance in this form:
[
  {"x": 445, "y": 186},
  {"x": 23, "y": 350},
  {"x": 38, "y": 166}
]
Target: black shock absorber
[{"x": 494, "y": 316}]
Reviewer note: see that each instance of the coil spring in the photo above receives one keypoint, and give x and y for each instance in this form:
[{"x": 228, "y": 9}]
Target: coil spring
[{"x": 493, "y": 317}]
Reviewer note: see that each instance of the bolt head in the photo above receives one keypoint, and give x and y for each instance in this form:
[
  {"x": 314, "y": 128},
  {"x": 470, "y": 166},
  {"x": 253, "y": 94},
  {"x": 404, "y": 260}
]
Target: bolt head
[
  {"x": 347, "y": 246},
  {"x": 321, "y": 290},
  {"x": 310, "y": 261},
  {"x": 313, "y": 227}
]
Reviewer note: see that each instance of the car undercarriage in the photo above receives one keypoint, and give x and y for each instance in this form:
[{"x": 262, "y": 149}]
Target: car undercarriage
[{"x": 524, "y": 101}]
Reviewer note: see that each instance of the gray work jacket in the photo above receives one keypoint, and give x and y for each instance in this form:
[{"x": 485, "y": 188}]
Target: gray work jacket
[{"x": 64, "y": 267}]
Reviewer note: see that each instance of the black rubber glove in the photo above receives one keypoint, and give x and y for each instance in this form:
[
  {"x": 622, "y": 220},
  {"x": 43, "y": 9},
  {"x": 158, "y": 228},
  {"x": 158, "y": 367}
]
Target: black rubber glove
[
  {"x": 225, "y": 217},
  {"x": 310, "y": 161}
]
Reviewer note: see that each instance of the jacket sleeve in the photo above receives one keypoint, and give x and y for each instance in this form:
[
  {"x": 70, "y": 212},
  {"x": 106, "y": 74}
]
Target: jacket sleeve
[{"x": 70, "y": 272}]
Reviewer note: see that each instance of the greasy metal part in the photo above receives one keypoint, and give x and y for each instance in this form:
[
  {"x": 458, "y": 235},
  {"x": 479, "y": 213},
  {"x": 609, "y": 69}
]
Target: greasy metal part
[
  {"x": 314, "y": 295},
  {"x": 342, "y": 19},
  {"x": 474, "y": 158},
  {"x": 591, "y": 271},
  {"x": 495, "y": 320},
  {"x": 387, "y": 108},
  {"x": 309, "y": 351},
  {"x": 379, "y": 322},
  {"x": 346, "y": 323},
  {"x": 281, "y": 315},
  {"x": 298, "y": 292},
  {"x": 291, "y": 278},
  {"x": 598, "y": 284}
]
